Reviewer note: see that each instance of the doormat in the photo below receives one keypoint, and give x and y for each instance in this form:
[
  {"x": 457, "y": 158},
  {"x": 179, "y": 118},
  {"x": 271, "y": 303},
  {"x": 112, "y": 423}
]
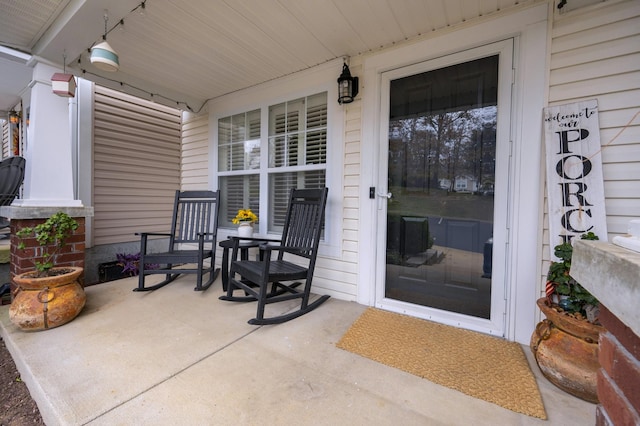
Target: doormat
[{"x": 478, "y": 365}]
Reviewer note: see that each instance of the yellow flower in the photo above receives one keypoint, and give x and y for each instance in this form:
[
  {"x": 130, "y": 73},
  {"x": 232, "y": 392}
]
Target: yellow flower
[{"x": 245, "y": 215}]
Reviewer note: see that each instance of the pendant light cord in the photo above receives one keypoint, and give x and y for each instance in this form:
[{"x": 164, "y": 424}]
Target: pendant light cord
[{"x": 106, "y": 20}]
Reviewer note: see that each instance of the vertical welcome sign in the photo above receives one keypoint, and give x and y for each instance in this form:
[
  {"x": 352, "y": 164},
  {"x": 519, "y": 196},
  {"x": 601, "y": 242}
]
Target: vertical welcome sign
[{"x": 575, "y": 188}]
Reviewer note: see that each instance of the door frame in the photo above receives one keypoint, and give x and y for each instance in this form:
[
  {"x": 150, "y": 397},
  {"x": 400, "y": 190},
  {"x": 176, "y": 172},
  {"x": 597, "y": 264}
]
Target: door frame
[
  {"x": 495, "y": 325},
  {"x": 528, "y": 26}
]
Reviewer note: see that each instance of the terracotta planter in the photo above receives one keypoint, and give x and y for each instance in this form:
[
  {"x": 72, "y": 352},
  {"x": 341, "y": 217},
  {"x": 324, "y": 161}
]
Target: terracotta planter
[
  {"x": 566, "y": 351},
  {"x": 48, "y": 302}
]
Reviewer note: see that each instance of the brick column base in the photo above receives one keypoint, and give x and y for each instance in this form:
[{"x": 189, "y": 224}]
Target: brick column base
[
  {"x": 24, "y": 260},
  {"x": 619, "y": 375}
]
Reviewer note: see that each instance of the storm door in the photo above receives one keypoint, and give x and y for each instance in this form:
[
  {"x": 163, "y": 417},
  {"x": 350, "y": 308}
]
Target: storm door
[{"x": 443, "y": 197}]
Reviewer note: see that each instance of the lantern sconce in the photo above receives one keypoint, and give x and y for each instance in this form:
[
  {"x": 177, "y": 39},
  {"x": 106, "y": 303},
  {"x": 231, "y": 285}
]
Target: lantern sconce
[
  {"x": 63, "y": 85},
  {"x": 14, "y": 117},
  {"x": 347, "y": 86}
]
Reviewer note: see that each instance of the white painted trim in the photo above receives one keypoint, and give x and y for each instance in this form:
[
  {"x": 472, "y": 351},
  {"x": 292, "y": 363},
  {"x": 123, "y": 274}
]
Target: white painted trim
[
  {"x": 496, "y": 324},
  {"x": 84, "y": 147}
]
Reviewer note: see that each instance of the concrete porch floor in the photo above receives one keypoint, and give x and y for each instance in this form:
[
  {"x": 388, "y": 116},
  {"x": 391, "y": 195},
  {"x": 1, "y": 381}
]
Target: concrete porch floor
[{"x": 179, "y": 357}]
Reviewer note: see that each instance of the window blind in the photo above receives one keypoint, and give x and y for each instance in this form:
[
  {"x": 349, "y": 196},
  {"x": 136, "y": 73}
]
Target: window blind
[{"x": 296, "y": 157}]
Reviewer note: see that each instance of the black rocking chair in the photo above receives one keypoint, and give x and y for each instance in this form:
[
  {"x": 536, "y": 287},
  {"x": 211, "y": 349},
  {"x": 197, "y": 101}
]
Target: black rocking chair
[
  {"x": 300, "y": 239},
  {"x": 194, "y": 223},
  {"x": 11, "y": 177}
]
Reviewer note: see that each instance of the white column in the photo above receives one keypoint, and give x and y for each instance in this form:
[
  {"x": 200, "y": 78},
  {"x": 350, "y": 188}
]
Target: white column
[{"x": 49, "y": 167}]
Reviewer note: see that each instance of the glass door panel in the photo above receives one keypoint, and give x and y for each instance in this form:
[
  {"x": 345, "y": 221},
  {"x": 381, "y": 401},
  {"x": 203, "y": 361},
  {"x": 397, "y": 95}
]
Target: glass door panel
[{"x": 442, "y": 127}]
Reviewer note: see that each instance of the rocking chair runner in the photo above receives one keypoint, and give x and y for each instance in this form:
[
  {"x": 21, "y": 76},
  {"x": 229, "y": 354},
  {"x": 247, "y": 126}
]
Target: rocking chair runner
[
  {"x": 300, "y": 239},
  {"x": 194, "y": 222}
]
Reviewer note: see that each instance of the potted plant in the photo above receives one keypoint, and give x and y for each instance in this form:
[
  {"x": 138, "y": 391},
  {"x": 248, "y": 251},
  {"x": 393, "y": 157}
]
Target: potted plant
[
  {"x": 565, "y": 343},
  {"x": 48, "y": 296},
  {"x": 245, "y": 219}
]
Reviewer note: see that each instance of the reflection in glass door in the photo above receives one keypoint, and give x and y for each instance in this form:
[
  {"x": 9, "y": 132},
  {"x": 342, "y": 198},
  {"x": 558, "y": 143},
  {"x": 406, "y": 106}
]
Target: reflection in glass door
[{"x": 442, "y": 176}]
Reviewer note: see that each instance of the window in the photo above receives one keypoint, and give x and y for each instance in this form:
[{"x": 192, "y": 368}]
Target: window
[
  {"x": 292, "y": 155},
  {"x": 239, "y": 155}
]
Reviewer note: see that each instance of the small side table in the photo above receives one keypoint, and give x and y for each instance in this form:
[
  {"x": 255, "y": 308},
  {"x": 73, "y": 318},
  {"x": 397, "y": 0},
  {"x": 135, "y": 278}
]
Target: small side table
[{"x": 244, "y": 247}]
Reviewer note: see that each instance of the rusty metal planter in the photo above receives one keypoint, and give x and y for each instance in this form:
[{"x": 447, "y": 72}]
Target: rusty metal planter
[
  {"x": 47, "y": 302},
  {"x": 566, "y": 351}
]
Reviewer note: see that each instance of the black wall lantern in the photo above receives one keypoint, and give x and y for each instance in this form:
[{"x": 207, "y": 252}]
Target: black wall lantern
[{"x": 347, "y": 86}]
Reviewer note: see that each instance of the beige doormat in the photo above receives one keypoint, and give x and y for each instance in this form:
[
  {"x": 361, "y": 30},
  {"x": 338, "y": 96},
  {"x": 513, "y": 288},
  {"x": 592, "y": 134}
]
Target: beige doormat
[{"x": 475, "y": 364}]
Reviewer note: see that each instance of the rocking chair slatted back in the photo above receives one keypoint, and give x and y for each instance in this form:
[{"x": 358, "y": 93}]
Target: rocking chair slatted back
[
  {"x": 303, "y": 225},
  {"x": 193, "y": 216},
  {"x": 11, "y": 177},
  {"x": 192, "y": 240}
]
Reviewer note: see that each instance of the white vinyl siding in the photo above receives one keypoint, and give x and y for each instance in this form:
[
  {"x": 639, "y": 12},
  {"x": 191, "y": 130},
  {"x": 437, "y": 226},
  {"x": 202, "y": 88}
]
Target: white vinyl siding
[
  {"x": 595, "y": 54},
  {"x": 344, "y": 274},
  {"x": 136, "y": 165},
  {"x": 195, "y": 152}
]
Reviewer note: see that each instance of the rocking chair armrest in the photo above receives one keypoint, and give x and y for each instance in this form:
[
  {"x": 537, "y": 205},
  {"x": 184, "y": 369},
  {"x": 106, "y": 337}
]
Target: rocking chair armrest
[
  {"x": 236, "y": 244},
  {"x": 206, "y": 233},
  {"x": 266, "y": 240},
  {"x": 143, "y": 239},
  {"x": 145, "y": 235},
  {"x": 201, "y": 236},
  {"x": 155, "y": 234},
  {"x": 293, "y": 250},
  {"x": 236, "y": 241}
]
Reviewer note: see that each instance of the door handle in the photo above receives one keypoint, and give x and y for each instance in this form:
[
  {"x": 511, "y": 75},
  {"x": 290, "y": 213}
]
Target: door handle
[{"x": 380, "y": 197}]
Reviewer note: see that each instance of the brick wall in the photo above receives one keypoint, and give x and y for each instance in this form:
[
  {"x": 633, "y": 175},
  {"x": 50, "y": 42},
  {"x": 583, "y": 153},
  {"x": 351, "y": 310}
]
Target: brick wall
[
  {"x": 619, "y": 375},
  {"x": 23, "y": 260}
]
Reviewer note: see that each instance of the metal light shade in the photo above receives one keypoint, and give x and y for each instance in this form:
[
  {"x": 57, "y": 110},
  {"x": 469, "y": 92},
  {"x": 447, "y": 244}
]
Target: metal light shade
[
  {"x": 347, "y": 86},
  {"x": 104, "y": 57}
]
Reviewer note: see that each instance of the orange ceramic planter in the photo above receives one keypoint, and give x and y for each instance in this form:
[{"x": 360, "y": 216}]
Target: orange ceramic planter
[
  {"x": 48, "y": 302},
  {"x": 566, "y": 351}
]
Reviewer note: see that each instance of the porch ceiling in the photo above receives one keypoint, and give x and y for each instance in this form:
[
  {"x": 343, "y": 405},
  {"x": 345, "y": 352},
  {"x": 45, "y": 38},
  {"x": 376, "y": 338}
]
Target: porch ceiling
[{"x": 191, "y": 51}]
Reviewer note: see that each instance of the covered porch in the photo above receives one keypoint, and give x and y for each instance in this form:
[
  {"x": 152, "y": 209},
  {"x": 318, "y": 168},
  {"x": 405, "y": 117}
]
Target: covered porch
[{"x": 175, "y": 356}]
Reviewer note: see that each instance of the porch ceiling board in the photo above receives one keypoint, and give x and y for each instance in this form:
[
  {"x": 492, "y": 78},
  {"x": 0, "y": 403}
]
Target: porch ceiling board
[
  {"x": 202, "y": 49},
  {"x": 35, "y": 19},
  {"x": 278, "y": 27},
  {"x": 381, "y": 23},
  {"x": 328, "y": 26},
  {"x": 413, "y": 19}
]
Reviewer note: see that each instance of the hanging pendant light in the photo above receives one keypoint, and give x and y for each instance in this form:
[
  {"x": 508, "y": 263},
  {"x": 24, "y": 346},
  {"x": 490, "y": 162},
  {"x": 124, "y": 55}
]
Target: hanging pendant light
[
  {"x": 104, "y": 57},
  {"x": 102, "y": 54}
]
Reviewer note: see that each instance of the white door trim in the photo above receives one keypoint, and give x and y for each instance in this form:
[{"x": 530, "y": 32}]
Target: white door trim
[
  {"x": 529, "y": 27},
  {"x": 496, "y": 324}
]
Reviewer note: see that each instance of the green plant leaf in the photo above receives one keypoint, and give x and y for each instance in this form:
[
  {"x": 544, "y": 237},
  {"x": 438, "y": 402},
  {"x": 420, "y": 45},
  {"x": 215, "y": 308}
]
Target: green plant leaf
[{"x": 53, "y": 234}]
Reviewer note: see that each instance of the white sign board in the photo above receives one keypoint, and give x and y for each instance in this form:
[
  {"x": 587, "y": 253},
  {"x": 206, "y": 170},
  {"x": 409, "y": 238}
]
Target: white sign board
[{"x": 575, "y": 188}]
